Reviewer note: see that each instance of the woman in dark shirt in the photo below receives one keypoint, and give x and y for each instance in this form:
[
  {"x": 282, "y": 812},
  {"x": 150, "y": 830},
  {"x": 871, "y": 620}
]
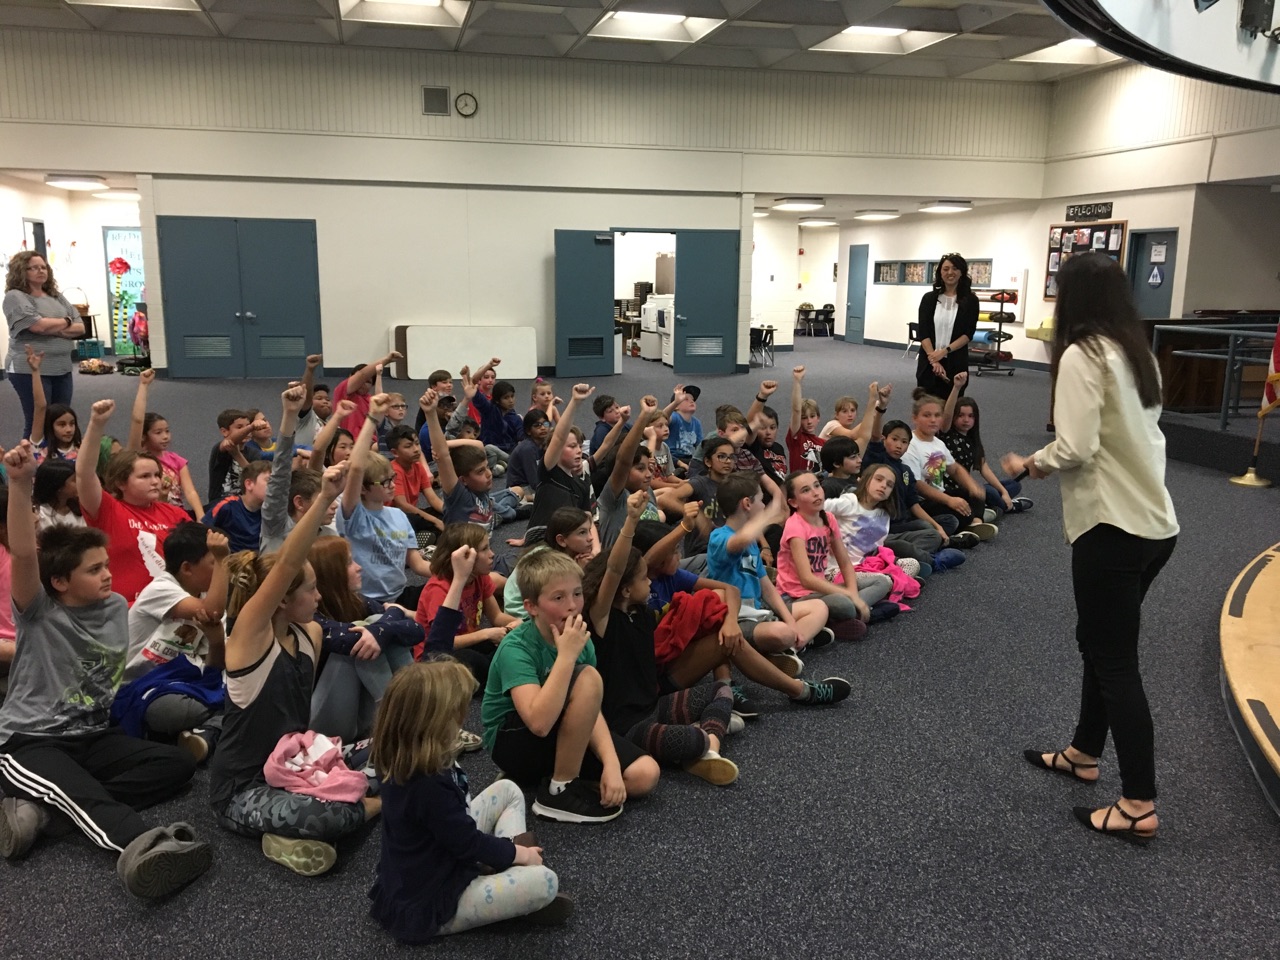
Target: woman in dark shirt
[{"x": 947, "y": 322}]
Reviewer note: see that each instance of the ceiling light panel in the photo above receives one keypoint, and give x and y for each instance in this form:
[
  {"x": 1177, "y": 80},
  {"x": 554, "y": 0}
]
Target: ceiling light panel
[
  {"x": 876, "y": 215},
  {"x": 122, "y": 195},
  {"x": 799, "y": 204},
  {"x": 817, "y": 222},
  {"x": 909, "y": 41},
  {"x": 657, "y": 27},
  {"x": 75, "y": 181},
  {"x": 448, "y": 13},
  {"x": 187, "y": 5},
  {"x": 946, "y": 206}
]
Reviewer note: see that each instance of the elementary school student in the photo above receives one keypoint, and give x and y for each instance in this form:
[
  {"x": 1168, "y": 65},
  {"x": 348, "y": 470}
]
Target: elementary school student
[
  {"x": 607, "y": 414},
  {"x": 804, "y": 446},
  {"x": 413, "y": 481},
  {"x": 240, "y": 518},
  {"x": 228, "y": 456},
  {"x": 686, "y": 428},
  {"x": 57, "y": 752},
  {"x": 541, "y": 710}
]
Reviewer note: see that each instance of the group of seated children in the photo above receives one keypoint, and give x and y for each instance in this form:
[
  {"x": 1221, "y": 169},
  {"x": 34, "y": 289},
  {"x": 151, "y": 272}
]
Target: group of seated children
[{"x": 287, "y": 639}]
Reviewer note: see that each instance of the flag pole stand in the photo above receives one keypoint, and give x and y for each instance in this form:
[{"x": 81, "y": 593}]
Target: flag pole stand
[{"x": 1250, "y": 477}]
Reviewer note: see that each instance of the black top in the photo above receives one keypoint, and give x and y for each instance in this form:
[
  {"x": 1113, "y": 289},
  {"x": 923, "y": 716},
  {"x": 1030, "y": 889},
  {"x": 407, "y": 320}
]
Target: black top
[
  {"x": 958, "y": 360},
  {"x": 625, "y": 659},
  {"x": 557, "y": 489}
]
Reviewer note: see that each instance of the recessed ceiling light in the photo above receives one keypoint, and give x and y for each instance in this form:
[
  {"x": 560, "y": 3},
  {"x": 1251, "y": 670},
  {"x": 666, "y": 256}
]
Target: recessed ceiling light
[
  {"x": 141, "y": 4},
  {"x": 817, "y": 222},
  {"x": 74, "y": 181},
  {"x": 946, "y": 206},
  {"x": 876, "y": 215},
  {"x": 759, "y": 212},
  {"x": 640, "y": 17},
  {"x": 1078, "y": 42},
  {"x": 118, "y": 195},
  {"x": 875, "y": 31},
  {"x": 799, "y": 204}
]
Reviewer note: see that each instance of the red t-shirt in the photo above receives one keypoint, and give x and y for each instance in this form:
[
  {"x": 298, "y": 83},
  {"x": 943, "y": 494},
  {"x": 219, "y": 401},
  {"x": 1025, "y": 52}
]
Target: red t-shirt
[
  {"x": 805, "y": 451},
  {"x": 355, "y": 421},
  {"x": 474, "y": 594},
  {"x": 411, "y": 481},
  {"x": 136, "y": 537}
]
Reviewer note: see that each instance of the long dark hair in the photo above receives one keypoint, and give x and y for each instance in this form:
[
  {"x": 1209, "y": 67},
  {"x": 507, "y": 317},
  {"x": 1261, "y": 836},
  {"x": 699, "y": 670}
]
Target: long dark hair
[
  {"x": 974, "y": 436},
  {"x": 964, "y": 287},
  {"x": 1094, "y": 301},
  {"x": 52, "y": 414}
]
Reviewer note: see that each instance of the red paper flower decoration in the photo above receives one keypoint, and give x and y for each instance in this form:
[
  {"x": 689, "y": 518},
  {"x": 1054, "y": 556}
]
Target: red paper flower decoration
[{"x": 119, "y": 266}]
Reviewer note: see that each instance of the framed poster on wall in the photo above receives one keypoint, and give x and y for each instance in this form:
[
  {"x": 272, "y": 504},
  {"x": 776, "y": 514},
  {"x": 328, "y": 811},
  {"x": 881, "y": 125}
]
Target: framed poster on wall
[
  {"x": 123, "y": 246},
  {"x": 1067, "y": 240}
]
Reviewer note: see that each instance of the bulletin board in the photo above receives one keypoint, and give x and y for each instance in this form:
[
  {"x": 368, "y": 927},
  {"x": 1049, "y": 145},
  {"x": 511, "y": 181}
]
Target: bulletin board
[{"x": 1068, "y": 239}]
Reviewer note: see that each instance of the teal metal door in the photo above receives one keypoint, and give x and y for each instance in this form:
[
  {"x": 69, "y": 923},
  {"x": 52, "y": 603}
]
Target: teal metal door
[
  {"x": 855, "y": 309},
  {"x": 1152, "y": 254},
  {"x": 200, "y": 274},
  {"x": 279, "y": 294},
  {"x": 706, "y": 321},
  {"x": 584, "y": 303}
]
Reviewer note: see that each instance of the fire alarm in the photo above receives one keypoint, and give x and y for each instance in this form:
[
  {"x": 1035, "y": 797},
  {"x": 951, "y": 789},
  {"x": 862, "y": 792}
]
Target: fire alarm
[{"x": 802, "y": 251}]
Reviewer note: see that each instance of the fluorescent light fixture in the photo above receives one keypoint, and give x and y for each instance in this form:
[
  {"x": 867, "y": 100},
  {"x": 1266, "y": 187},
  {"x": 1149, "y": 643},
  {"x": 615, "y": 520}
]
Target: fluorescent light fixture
[
  {"x": 1077, "y": 50},
  {"x": 191, "y": 5},
  {"x": 875, "y": 31},
  {"x": 1078, "y": 42},
  {"x": 817, "y": 222},
  {"x": 759, "y": 212},
  {"x": 74, "y": 181},
  {"x": 639, "y": 17},
  {"x": 659, "y": 27},
  {"x": 415, "y": 13},
  {"x": 133, "y": 195},
  {"x": 877, "y": 215},
  {"x": 799, "y": 204},
  {"x": 946, "y": 206}
]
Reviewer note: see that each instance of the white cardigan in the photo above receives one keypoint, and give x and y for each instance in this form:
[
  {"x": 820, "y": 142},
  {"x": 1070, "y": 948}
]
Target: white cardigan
[{"x": 1108, "y": 448}]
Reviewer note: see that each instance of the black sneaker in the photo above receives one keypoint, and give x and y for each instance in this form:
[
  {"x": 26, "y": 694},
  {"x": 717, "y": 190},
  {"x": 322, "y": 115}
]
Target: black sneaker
[
  {"x": 828, "y": 691},
  {"x": 576, "y": 803},
  {"x": 742, "y": 706},
  {"x": 965, "y": 540},
  {"x": 823, "y": 637}
]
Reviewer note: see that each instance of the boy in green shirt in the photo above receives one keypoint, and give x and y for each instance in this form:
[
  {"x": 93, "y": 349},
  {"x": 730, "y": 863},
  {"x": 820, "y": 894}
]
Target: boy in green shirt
[{"x": 541, "y": 707}]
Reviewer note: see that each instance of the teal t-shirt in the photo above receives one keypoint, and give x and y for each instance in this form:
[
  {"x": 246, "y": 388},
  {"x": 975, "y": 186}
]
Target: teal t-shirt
[{"x": 522, "y": 657}]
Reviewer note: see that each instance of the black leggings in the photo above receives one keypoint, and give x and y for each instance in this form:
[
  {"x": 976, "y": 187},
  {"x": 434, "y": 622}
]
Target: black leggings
[{"x": 1111, "y": 571}]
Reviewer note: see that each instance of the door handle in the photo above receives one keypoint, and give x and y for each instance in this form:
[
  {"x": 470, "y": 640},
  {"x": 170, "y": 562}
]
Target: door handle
[
  {"x": 239, "y": 316},
  {"x": 680, "y": 318},
  {"x": 251, "y": 317}
]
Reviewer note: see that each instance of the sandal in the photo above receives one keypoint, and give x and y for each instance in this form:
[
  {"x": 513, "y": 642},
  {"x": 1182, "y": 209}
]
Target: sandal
[
  {"x": 1036, "y": 759},
  {"x": 1129, "y": 834}
]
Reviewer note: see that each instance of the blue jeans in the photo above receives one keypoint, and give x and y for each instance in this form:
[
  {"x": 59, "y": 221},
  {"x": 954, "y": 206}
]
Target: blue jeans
[
  {"x": 505, "y": 503},
  {"x": 995, "y": 501},
  {"x": 57, "y": 389}
]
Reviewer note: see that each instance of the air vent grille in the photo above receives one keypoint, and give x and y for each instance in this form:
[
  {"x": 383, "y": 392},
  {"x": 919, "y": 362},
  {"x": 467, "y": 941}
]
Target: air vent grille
[
  {"x": 704, "y": 346},
  {"x": 581, "y": 348},
  {"x": 207, "y": 348},
  {"x": 435, "y": 101}
]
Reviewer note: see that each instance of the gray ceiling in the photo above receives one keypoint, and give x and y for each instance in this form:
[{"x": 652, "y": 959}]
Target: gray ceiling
[{"x": 992, "y": 40}]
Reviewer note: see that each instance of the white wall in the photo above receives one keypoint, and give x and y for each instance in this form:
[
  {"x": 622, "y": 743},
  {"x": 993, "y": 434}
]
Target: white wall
[
  {"x": 634, "y": 259},
  {"x": 1016, "y": 238},
  {"x": 471, "y": 257},
  {"x": 1234, "y": 257}
]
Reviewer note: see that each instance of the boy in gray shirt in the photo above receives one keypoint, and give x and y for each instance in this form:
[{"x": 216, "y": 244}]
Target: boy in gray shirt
[{"x": 58, "y": 756}]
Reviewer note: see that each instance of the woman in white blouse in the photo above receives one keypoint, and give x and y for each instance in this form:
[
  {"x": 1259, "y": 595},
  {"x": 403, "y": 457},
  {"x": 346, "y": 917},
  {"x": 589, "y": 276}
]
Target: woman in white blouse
[
  {"x": 1119, "y": 520},
  {"x": 947, "y": 322}
]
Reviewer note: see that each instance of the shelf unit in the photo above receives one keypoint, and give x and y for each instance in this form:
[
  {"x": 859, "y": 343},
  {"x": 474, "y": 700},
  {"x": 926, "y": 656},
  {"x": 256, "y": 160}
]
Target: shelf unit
[{"x": 987, "y": 356}]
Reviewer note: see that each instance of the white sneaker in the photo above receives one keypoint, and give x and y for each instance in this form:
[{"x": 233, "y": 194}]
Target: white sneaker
[
  {"x": 788, "y": 663},
  {"x": 21, "y": 823},
  {"x": 988, "y": 515},
  {"x": 736, "y": 724}
]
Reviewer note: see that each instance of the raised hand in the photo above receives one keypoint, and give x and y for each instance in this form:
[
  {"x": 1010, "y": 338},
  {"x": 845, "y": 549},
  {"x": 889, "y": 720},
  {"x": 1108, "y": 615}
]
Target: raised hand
[
  {"x": 379, "y": 404},
  {"x": 392, "y": 357},
  {"x": 648, "y": 406},
  {"x": 625, "y": 413},
  {"x": 885, "y": 393},
  {"x": 691, "y": 511},
  {"x": 581, "y": 391},
  {"x": 636, "y": 503},
  {"x": 293, "y": 397},
  {"x": 34, "y": 359},
  {"x": 345, "y": 409},
  {"x": 147, "y": 377},
  {"x": 102, "y": 410},
  {"x": 961, "y": 378},
  {"x": 334, "y": 479},
  {"x": 768, "y": 387},
  {"x": 428, "y": 401},
  {"x": 20, "y": 462},
  {"x": 314, "y": 360},
  {"x": 463, "y": 561},
  {"x": 798, "y": 372},
  {"x": 218, "y": 544}
]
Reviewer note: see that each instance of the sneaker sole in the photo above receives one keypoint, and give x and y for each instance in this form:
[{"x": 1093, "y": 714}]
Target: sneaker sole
[
  {"x": 307, "y": 858},
  {"x": 849, "y": 631},
  {"x": 720, "y": 771},
  {"x": 194, "y": 744},
  {"x": 789, "y": 665},
  {"x": 983, "y": 531},
  {"x": 163, "y": 872},
  {"x": 567, "y": 816},
  {"x": 470, "y": 746},
  {"x": 11, "y": 846}
]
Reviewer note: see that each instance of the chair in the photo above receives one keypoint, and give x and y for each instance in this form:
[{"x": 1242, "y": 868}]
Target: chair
[
  {"x": 766, "y": 347},
  {"x": 757, "y": 346},
  {"x": 913, "y": 338}
]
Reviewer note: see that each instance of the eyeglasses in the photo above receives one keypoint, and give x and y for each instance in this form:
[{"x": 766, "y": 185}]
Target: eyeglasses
[
  {"x": 389, "y": 483},
  {"x": 399, "y": 406},
  {"x": 722, "y": 456}
]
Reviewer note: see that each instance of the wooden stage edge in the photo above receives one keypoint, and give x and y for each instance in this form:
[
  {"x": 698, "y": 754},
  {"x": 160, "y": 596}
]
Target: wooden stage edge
[{"x": 1250, "y": 639}]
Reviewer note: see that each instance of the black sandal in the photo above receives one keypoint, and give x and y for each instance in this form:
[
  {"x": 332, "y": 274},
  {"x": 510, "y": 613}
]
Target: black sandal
[
  {"x": 1036, "y": 759},
  {"x": 1129, "y": 834}
]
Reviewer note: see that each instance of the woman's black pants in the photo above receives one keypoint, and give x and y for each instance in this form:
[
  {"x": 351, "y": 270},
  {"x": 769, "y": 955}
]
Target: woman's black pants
[{"x": 1111, "y": 571}]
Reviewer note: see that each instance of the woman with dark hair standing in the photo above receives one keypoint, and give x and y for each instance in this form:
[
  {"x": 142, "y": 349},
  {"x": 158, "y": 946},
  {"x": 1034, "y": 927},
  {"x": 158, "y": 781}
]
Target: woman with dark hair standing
[
  {"x": 1119, "y": 520},
  {"x": 38, "y": 315},
  {"x": 947, "y": 322}
]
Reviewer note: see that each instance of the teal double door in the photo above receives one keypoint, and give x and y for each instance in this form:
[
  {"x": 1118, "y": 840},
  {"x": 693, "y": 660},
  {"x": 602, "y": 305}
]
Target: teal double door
[
  {"x": 241, "y": 295},
  {"x": 704, "y": 328}
]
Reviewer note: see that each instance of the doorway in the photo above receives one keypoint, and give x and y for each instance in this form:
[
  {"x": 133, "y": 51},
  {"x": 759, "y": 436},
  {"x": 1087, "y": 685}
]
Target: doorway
[
  {"x": 855, "y": 308},
  {"x": 241, "y": 296},
  {"x": 1152, "y": 258},
  {"x": 703, "y": 328}
]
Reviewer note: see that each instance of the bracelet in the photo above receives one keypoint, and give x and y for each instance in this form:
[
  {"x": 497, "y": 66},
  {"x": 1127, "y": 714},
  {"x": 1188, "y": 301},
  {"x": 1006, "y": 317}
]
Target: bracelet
[
  {"x": 686, "y": 529},
  {"x": 882, "y": 409},
  {"x": 760, "y": 399},
  {"x": 370, "y": 418},
  {"x": 623, "y": 533}
]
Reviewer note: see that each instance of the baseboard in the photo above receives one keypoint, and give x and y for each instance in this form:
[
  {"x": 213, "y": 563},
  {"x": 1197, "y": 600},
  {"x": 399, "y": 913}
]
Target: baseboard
[
  {"x": 1015, "y": 363},
  {"x": 783, "y": 347}
]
